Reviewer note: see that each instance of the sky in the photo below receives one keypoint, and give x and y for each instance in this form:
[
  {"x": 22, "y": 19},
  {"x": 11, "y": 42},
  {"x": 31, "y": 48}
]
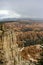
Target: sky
[{"x": 21, "y": 8}]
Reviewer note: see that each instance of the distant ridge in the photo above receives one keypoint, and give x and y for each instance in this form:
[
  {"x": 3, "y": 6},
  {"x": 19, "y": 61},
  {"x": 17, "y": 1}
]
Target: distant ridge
[{"x": 21, "y": 19}]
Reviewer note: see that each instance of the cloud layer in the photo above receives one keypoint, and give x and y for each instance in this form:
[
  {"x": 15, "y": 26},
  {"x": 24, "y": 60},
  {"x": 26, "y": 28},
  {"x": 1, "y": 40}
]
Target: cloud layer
[
  {"x": 27, "y": 8},
  {"x": 8, "y": 14}
]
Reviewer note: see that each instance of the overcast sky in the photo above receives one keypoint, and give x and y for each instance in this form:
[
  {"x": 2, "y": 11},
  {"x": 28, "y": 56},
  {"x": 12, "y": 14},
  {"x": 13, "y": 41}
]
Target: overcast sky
[{"x": 29, "y": 8}]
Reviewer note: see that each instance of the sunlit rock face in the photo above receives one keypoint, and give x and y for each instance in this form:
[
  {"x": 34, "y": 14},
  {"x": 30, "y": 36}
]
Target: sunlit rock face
[{"x": 11, "y": 53}]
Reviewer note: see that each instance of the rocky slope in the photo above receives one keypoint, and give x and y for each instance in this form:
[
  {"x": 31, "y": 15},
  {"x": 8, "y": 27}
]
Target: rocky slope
[{"x": 11, "y": 51}]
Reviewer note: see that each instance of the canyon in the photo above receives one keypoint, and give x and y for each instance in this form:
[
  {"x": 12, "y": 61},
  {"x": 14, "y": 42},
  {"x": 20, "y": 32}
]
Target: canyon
[{"x": 21, "y": 43}]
